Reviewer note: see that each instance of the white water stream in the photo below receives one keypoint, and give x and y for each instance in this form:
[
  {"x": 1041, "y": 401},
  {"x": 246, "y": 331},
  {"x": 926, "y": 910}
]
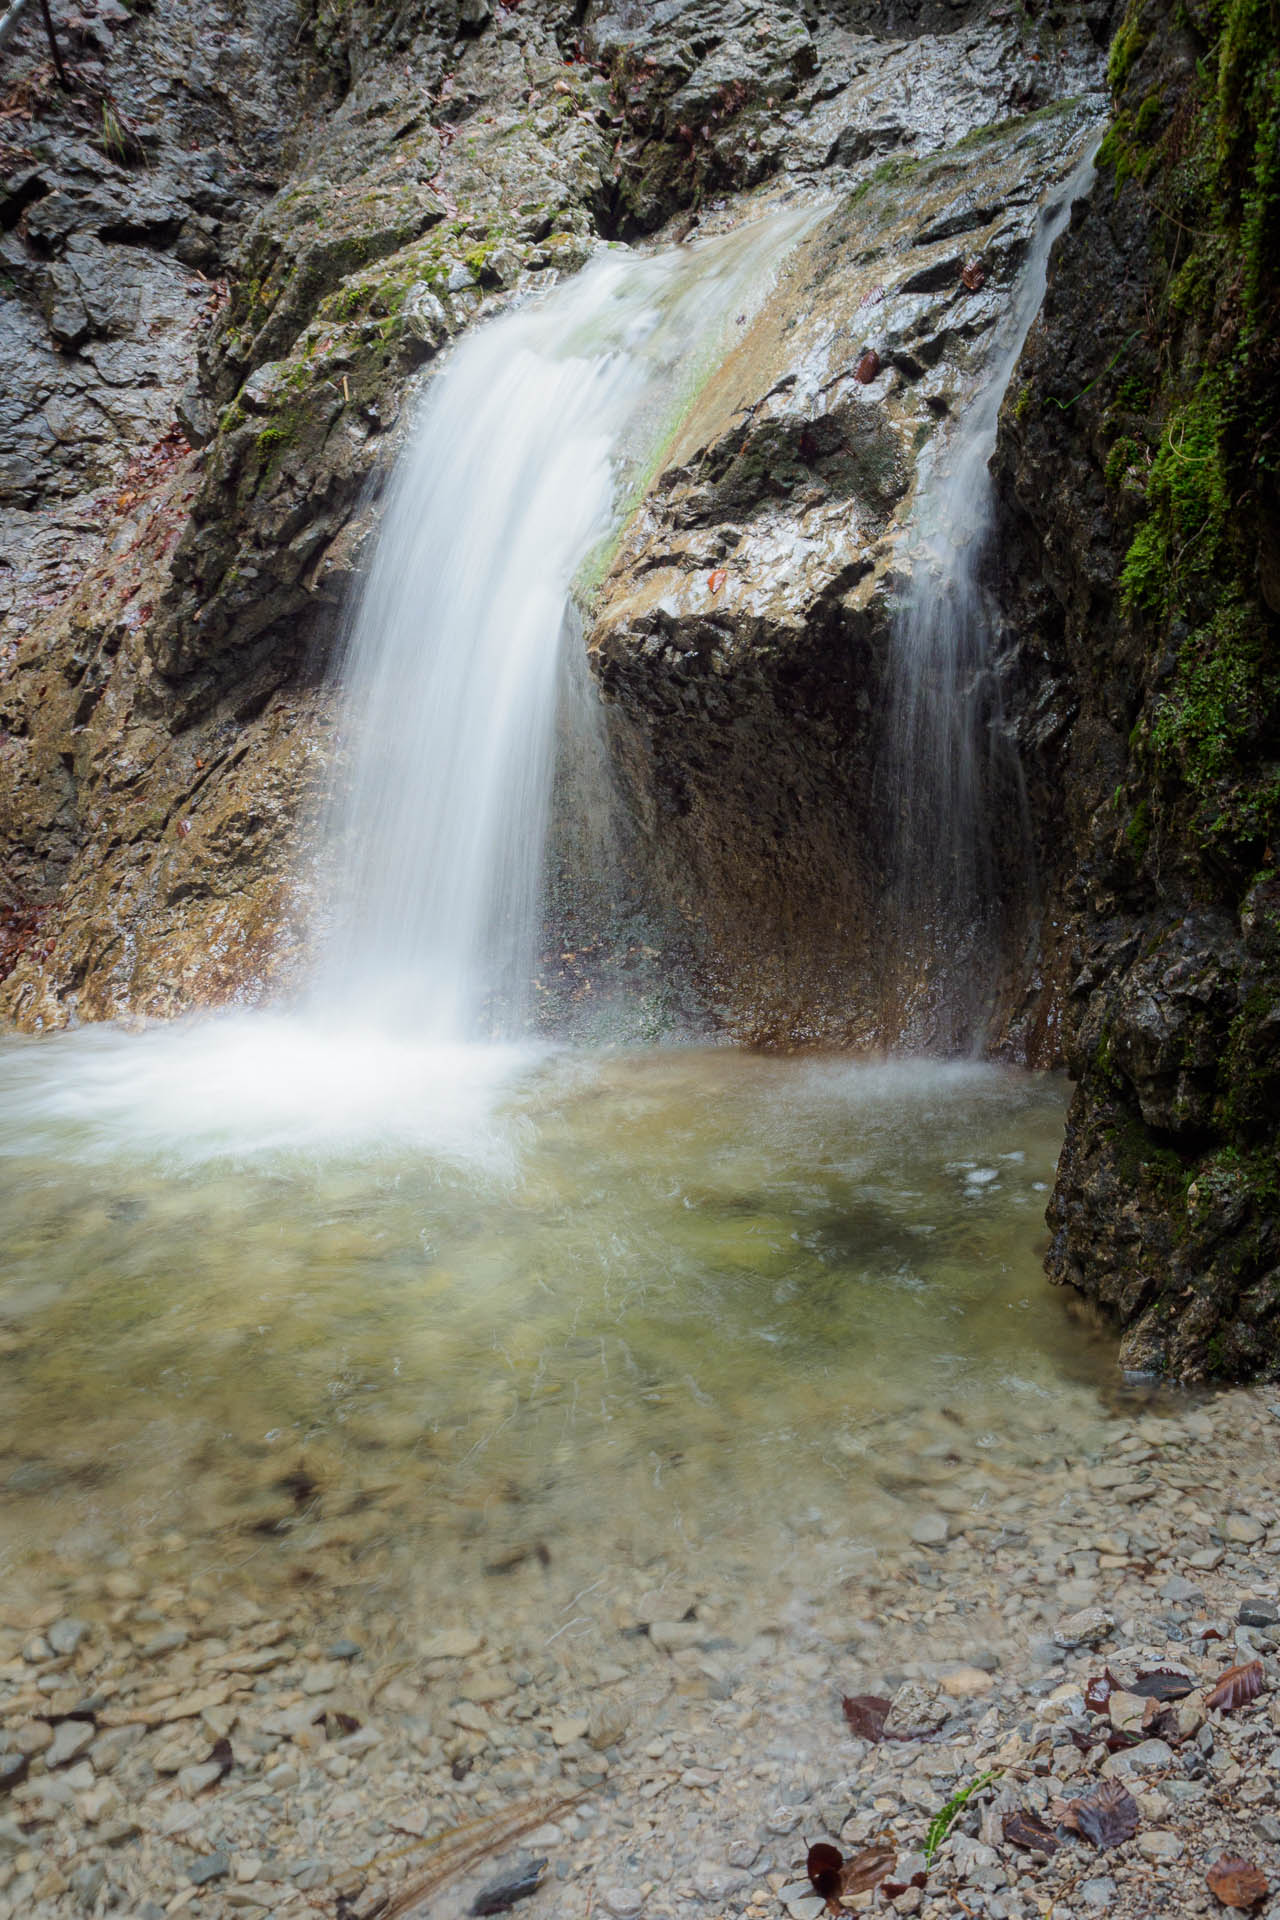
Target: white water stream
[
  {"x": 946, "y": 758},
  {"x": 510, "y": 479}
]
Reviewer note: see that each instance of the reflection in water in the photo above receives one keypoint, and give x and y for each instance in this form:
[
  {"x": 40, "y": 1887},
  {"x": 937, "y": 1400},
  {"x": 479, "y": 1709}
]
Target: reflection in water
[{"x": 621, "y": 1307}]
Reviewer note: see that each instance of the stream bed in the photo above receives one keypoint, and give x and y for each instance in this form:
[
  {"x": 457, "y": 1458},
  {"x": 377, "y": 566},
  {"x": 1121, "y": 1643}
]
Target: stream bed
[{"x": 472, "y": 1328}]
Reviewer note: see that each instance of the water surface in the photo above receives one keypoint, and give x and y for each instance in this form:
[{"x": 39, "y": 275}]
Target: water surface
[{"x": 436, "y": 1313}]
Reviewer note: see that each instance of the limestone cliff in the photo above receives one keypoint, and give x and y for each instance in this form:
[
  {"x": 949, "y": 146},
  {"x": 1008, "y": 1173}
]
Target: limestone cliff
[{"x": 1141, "y": 574}]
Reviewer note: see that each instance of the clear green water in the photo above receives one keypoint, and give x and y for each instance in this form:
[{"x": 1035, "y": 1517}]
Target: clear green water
[{"x": 487, "y": 1306}]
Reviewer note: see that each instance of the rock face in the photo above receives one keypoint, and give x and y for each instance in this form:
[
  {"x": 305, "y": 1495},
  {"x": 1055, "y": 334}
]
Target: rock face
[
  {"x": 166, "y": 724},
  {"x": 1138, "y": 541},
  {"x": 748, "y": 621}
]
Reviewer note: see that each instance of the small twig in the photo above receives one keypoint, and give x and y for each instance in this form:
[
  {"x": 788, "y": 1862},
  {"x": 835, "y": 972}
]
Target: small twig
[{"x": 59, "y": 69}]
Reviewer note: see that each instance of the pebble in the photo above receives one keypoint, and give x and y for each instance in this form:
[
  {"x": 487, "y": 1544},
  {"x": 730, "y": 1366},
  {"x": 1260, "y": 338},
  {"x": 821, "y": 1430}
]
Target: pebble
[
  {"x": 70, "y": 1740},
  {"x": 213, "y": 1866},
  {"x": 931, "y": 1530},
  {"x": 455, "y": 1643},
  {"x": 622, "y": 1902},
  {"x": 1086, "y": 1628},
  {"x": 1243, "y": 1529},
  {"x": 1160, "y": 1845},
  {"x": 65, "y": 1635}
]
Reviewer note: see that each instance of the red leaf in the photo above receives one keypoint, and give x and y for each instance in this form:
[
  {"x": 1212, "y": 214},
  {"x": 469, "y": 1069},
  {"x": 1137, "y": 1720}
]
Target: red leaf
[
  {"x": 866, "y": 1714},
  {"x": 867, "y": 368},
  {"x": 716, "y": 579},
  {"x": 1236, "y": 1882},
  {"x": 1106, "y": 1816},
  {"x": 974, "y": 275},
  {"x": 1237, "y": 1687},
  {"x": 823, "y": 1868},
  {"x": 1099, "y": 1691},
  {"x": 1029, "y": 1830}
]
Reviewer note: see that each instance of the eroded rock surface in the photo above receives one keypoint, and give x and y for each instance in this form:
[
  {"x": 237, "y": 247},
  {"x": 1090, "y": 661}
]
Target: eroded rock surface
[{"x": 1138, "y": 532}]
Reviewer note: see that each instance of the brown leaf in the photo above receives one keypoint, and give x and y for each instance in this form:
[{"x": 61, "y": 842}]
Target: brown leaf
[
  {"x": 1099, "y": 1691},
  {"x": 716, "y": 579},
  {"x": 867, "y": 368},
  {"x": 836, "y": 1878},
  {"x": 974, "y": 275},
  {"x": 1029, "y": 1830},
  {"x": 1237, "y": 1687},
  {"x": 1163, "y": 1683},
  {"x": 866, "y": 1869},
  {"x": 1237, "y": 1883},
  {"x": 1106, "y": 1816},
  {"x": 866, "y": 1714}
]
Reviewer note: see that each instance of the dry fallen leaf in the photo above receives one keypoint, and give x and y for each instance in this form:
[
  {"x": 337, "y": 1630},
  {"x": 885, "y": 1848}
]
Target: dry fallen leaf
[
  {"x": 866, "y": 1714},
  {"x": 1106, "y": 1816},
  {"x": 716, "y": 578},
  {"x": 1237, "y": 1687},
  {"x": 1023, "y": 1829},
  {"x": 867, "y": 368},
  {"x": 1163, "y": 1683},
  {"x": 1237, "y": 1883},
  {"x": 836, "y": 1878},
  {"x": 974, "y": 275},
  {"x": 1099, "y": 1691}
]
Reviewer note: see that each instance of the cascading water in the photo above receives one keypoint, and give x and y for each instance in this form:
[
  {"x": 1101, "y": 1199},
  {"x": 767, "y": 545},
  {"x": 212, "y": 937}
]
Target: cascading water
[
  {"x": 946, "y": 763},
  {"x": 510, "y": 480}
]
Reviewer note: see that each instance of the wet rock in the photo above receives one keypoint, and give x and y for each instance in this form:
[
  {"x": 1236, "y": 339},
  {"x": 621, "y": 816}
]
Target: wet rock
[
  {"x": 70, "y": 1740},
  {"x": 212, "y": 1867}
]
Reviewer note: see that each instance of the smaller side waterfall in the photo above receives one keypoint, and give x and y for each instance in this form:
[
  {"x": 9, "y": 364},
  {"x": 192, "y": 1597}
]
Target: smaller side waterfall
[
  {"x": 945, "y": 760},
  {"x": 508, "y": 483}
]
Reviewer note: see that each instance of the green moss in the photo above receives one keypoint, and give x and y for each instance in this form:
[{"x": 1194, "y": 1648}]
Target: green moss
[
  {"x": 1225, "y": 679},
  {"x": 1125, "y": 48},
  {"x": 1124, "y": 455},
  {"x": 1182, "y": 540},
  {"x": 1138, "y": 832}
]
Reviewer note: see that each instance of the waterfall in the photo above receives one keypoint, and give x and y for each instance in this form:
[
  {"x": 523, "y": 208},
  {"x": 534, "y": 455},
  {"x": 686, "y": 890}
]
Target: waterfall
[
  {"x": 510, "y": 479},
  {"x": 946, "y": 762}
]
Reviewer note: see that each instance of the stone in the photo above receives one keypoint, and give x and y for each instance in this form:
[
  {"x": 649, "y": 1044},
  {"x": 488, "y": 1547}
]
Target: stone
[
  {"x": 800, "y": 1900},
  {"x": 193, "y": 1780},
  {"x": 1086, "y": 1628},
  {"x": 65, "y": 1635},
  {"x": 608, "y": 1723},
  {"x": 1243, "y": 1529},
  {"x": 967, "y": 1683},
  {"x": 623, "y": 1902},
  {"x": 211, "y": 1867},
  {"x": 70, "y": 1740},
  {"x": 565, "y": 1732},
  {"x": 1258, "y": 1611},
  {"x": 1160, "y": 1846},
  {"x": 1099, "y": 1892},
  {"x": 33, "y": 1736},
  {"x": 13, "y": 1770},
  {"x": 674, "y": 1636},
  {"x": 931, "y": 1530},
  {"x": 916, "y": 1707}
]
